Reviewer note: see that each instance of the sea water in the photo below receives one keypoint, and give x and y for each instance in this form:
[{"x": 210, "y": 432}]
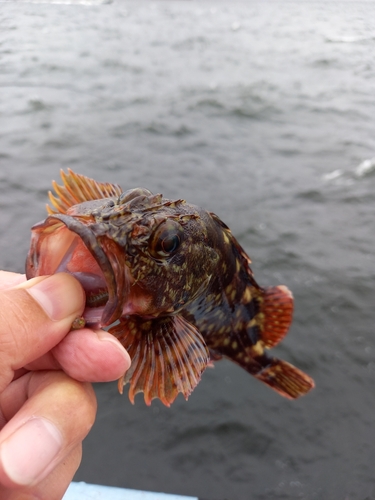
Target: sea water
[{"x": 262, "y": 112}]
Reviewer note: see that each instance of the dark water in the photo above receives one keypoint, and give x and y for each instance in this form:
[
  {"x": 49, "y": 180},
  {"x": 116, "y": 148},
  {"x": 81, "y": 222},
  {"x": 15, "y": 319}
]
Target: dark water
[{"x": 264, "y": 113}]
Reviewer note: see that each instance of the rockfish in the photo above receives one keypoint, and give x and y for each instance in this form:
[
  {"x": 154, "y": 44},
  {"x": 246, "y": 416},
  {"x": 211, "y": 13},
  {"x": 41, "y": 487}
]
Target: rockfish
[{"x": 172, "y": 283}]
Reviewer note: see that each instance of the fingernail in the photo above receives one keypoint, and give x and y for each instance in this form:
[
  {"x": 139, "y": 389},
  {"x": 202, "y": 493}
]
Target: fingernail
[
  {"x": 60, "y": 296},
  {"x": 26, "y": 454}
]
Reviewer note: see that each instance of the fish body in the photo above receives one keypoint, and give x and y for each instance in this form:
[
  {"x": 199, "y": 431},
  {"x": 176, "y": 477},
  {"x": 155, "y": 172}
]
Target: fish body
[{"x": 170, "y": 281}]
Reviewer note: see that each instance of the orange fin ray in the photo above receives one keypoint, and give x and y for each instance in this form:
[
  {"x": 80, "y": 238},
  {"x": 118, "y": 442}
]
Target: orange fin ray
[
  {"x": 76, "y": 189},
  {"x": 277, "y": 309},
  {"x": 285, "y": 379},
  {"x": 168, "y": 356}
]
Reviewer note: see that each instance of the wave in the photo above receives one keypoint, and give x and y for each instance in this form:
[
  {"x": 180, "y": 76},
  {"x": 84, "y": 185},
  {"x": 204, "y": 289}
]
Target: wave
[
  {"x": 365, "y": 168},
  {"x": 331, "y": 176},
  {"x": 339, "y": 176},
  {"x": 349, "y": 38}
]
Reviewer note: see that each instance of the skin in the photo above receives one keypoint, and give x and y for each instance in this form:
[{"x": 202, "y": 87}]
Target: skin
[{"x": 47, "y": 405}]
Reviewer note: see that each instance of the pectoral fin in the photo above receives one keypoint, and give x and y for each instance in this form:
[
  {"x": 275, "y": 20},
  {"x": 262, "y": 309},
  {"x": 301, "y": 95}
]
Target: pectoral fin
[{"x": 168, "y": 356}]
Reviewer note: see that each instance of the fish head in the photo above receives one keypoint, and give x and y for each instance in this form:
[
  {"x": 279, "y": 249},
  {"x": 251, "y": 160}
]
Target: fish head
[
  {"x": 167, "y": 255},
  {"x": 133, "y": 252}
]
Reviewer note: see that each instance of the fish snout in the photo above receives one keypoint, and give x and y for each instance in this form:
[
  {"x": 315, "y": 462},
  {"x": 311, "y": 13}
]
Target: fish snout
[{"x": 63, "y": 243}]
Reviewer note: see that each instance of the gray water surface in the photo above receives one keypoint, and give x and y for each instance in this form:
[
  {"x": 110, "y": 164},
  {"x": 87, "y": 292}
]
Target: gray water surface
[{"x": 262, "y": 112}]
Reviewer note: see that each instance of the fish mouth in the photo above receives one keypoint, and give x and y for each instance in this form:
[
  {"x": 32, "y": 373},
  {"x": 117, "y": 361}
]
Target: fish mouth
[{"x": 63, "y": 243}]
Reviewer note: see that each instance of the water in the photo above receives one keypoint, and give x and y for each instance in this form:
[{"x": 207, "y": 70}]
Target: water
[{"x": 263, "y": 113}]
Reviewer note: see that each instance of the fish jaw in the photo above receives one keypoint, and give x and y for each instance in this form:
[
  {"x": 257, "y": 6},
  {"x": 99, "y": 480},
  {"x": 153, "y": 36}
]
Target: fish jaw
[
  {"x": 66, "y": 243},
  {"x": 62, "y": 243}
]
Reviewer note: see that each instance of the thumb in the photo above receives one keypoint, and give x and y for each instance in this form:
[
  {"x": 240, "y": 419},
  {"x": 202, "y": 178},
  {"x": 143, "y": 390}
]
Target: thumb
[{"x": 34, "y": 317}]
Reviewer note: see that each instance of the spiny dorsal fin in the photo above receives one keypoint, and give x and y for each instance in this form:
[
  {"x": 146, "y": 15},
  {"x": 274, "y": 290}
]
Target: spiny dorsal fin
[
  {"x": 168, "y": 356},
  {"x": 232, "y": 240},
  {"x": 76, "y": 189},
  {"x": 275, "y": 303}
]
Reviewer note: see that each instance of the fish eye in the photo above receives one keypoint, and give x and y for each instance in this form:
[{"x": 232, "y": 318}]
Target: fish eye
[{"x": 166, "y": 239}]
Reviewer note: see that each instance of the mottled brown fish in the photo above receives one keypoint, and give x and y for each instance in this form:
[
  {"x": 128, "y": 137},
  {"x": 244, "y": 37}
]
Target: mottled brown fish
[{"x": 175, "y": 280}]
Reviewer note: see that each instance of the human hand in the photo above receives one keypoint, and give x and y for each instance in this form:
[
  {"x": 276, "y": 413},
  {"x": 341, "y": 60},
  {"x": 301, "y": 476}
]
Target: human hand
[{"x": 47, "y": 406}]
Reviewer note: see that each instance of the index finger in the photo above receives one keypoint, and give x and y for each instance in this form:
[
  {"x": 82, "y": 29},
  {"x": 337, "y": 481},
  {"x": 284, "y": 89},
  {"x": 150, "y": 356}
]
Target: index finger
[{"x": 34, "y": 317}]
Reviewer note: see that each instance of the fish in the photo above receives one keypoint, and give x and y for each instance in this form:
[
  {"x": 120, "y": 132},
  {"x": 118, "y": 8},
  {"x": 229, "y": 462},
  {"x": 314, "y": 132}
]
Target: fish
[{"x": 170, "y": 281}]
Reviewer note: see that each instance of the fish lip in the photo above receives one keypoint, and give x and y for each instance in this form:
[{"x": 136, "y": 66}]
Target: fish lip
[{"x": 113, "y": 307}]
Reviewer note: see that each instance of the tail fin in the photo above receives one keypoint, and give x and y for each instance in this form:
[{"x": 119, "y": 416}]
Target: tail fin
[{"x": 285, "y": 378}]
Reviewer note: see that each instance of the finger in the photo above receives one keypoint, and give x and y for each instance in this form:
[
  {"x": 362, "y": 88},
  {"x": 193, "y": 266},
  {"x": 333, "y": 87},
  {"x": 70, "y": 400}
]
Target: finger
[
  {"x": 87, "y": 356},
  {"x": 53, "y": 486},
  {"x": 34, "y": 317},
  {"x": 9, "y": 280},
  {"x": 94, "y": 356},
  {"x": 40, "y": 435}
]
